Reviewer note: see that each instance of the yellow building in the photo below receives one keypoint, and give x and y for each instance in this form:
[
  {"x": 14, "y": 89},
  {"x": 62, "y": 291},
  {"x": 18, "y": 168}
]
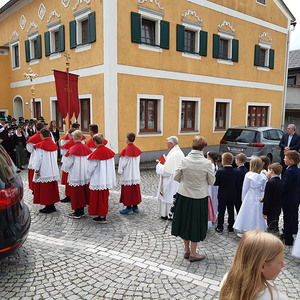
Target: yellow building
[{"x": 150, "y": 66}]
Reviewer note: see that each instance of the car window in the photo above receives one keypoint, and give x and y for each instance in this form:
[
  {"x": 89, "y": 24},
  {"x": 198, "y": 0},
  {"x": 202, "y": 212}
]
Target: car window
[
  {"x": 7, "y": 169},
  {"x": 280, "y": 133},
  {"x": 266, "y": 134},
  {"x": 271, "y": 134},
  {"x": 240, "y": 135}
]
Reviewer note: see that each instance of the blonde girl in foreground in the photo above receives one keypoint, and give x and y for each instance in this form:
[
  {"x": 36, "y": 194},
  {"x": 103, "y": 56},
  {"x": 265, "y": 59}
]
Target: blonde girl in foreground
[{"x": 259, "y": 258}]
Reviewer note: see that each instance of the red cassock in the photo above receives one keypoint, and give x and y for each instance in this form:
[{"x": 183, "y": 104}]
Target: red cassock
[
  {"x": 35, "y": 139},
  {"x": 91, "y": 143},
  {"x": 46, "y": 191},
  {"x": 99, "y": 193},
  {"x": 130, "y": 193}
]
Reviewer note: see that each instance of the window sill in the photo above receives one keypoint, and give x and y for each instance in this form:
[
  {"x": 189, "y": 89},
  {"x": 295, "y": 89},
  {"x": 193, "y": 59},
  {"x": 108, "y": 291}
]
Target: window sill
[
  {"x": 34, "y": 62},
  {"x": 219, "y": 130},
  {"x": 16, "y": 68},
  {"x": 263, "y": 69},
  {"x": 55, "y": 55},
  {"x": 191, "y": 55},
  {"x": 150, "y": 48},
  {"x": 83, "y": 47},
  {"x": 225, "y": 61},
  {"x": 187, "y": 132},
  {"x": 148, "y": 134}
]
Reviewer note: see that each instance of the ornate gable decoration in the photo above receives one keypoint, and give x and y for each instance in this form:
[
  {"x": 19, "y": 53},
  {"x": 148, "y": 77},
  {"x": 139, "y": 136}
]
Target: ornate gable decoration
[
  {"x": 22, "y": 22},
  {"x": 32, "y": 24},
  {"x": 266, "y": 35},
  {"x": 79, "y": 2},
  {"x": 65, "y": 3},
  {"x": 52, "y": 14},
  {"x": 42, "y": 11},
  {"x": 13, "y": 34},
  {"x": 225, "y": 23},
  {"x": 155, "y": 1},
  {"x": 192, "y": 13}
]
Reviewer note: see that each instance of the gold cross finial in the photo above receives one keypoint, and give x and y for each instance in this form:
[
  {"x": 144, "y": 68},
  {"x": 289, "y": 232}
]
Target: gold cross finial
[
  {"x": 30, "y": 74},
  {"x": 67, "y": 56}
]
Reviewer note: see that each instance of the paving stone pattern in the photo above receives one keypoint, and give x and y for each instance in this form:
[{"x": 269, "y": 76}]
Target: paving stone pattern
[{"x": 128, "y": 258}]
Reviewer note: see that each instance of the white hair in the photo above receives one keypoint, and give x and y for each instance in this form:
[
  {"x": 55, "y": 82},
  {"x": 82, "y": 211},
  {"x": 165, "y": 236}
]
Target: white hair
[
  {"x": 173, "y": 139},
  {"x": 292, "y": 126}
]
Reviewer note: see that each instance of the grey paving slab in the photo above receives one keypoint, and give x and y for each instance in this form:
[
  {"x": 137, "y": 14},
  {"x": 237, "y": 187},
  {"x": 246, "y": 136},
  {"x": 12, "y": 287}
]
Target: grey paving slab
[{"x": 128, "y": 258}]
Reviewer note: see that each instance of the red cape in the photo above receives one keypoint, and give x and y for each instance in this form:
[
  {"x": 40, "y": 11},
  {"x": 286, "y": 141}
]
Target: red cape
[
  {"x": 131, "y": 150},
  {"x": 91, "y": 143},
  {"x": 79, "y": 150},
  {"x": 66, "y": 137},
  {"x": 47, "y": 144},
  {"x": 102, "y": 153},
  {"x": 68, "y": 145},
  {"x": 35, "y": 139}
]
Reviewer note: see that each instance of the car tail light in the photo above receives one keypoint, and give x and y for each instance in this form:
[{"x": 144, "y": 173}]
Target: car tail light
[
  {"x": 256, "y": 145},
  {"x": 9, "y": 197},
  {"x": 11, "y": 247},
  {"x": 223, "y": 141}
]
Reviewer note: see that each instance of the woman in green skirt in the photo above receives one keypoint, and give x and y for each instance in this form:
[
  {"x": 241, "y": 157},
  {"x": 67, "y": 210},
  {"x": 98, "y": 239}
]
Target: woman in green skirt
[
  {"x": 19, "y": 144},
  {"x": 195, "y": 174}
]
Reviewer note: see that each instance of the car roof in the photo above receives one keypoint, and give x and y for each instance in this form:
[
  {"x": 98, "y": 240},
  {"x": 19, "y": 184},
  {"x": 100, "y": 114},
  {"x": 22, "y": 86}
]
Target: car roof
[{"x": 253, "y": 128}]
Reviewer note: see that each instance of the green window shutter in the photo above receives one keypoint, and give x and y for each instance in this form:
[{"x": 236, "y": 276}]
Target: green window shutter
[
  {"x": 216, "y": 45},
  {"x": 256, "y": 55},
  {"x": 47, "y": 43},
  {"x": 39, "y": 46},
  {"x": 27, "y": 51},
  {"x": 271, "y": 58},
  {"x": 73, "y": 43},
  {"x": 136, "y": 26},
  {"x": 203, "y": 43},
  {"x": 164, "y": 34},
  {"x": 180, "y": 38},
  {"x": 61, "y": 38},
  {"x": 235, "y": 50},
  {"x": 92, "y": 27}
]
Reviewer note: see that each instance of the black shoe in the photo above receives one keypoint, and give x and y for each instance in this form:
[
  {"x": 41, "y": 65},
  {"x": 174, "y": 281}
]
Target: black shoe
[
  {"x": 66, "y": 199},
  {"x": 218, "y": 230},
  {"x": 75, "y": 215},
  {"x": 100, "y": 220},
  {"x": 287, "y": 241},
  {"x": 164, "y": 218},
  {"x": 21, "y": 168},
  {"x": 230, "y": 230},
  {"x": 48, "y": 209}
]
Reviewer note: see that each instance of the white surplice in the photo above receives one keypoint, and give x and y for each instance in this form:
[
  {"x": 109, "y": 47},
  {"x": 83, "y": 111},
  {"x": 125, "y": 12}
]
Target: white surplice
[{"x": 129, "y": 169}]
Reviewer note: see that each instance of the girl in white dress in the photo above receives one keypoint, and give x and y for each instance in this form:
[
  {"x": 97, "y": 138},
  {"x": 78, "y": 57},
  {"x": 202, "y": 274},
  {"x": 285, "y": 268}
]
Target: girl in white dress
[
  {"x": 296, "y": 247},
  {"x": 213, "y": 189},
  {"x": 250, "y": 216},
  {"x": 258, "y": 258}
]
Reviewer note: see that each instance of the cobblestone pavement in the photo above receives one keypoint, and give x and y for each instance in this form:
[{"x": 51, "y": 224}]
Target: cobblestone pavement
[{"x": 128, "y": 258}]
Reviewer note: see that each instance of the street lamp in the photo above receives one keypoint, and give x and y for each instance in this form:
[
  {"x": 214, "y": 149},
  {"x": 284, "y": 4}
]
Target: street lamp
[{"x": 31, "y": 75}]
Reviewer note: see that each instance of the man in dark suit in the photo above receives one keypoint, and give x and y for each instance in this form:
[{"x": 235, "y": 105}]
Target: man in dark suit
[
  {"x": 290, "y": 196},
  {"x": 227, "y": 179},
  {"x": 240, "y": 160},
  {"x": 272, "y": 197},
  {"x": 289, "y": 141}
]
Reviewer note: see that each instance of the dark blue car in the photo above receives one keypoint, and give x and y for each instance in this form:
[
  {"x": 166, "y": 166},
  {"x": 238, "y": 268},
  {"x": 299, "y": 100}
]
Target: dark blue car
[{"x": 14, "y": 213}]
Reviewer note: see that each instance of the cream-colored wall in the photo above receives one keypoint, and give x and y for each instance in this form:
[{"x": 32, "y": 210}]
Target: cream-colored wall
[
  {"x": 6, "y": 101},
  {"x": 247, "y": 33},
  {"x": 172, "y": 90}
]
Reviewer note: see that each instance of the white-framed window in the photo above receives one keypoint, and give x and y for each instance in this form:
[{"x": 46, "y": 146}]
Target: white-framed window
[
  {"x": 225, "y": 49},
  {"x": 189, "y": 115},
  {"x": 85, "y": 117},
  {"x": 149, "y": 115},
  {"x": 264, "y": 56},
  {"x": 222, "y": 114},
  {"x": 263, "y": 2},
  {"x": 55, "y": 114},
  {"x": 3, "y": 112},
  {"x": 38, "y": 107},
  {"x": 54, "y": 40},
  {"x": 15, "y": 54},
  {"x": 258, "y": 114},
  {"x": 33, "y": 48},
  {"x": 82, "y": 30}
]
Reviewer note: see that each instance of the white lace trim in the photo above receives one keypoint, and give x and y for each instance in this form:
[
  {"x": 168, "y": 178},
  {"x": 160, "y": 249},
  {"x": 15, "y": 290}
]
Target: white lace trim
[
  {"x": 101, "y": 187},
  {"x": 78, "y": 183},
  {"x": 30, "y": 167},
  {"x": 47, "y": 179},
  {"x": 130, "y": 182}
]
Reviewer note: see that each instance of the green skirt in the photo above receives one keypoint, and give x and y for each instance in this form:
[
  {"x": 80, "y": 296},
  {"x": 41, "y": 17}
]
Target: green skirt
[
  {"x": 21, "y": 157},
  {"x": 190, "y": 218}
]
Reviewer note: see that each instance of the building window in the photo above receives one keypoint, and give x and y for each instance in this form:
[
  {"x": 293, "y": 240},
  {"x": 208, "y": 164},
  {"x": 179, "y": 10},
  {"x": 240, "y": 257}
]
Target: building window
[
  {"x": 189, "y": 41},
  {"x": 222, "y": 114},
  {"x": 85, "y": 118},
  {"x": 264, "y": 55},
  {"x": 148, "y": 115},
  {"x": 223, "y": 49},
  {"x": 261, "y": 2},
  {"x": 58, "y": 117},
  {"x": 33, "y": 47},
  {"x": 38, "y": 108},
  {"x": 54, "y": 39},
  {"x": 149, "y": 29},
  {"x": 15, "y": 55},
  {"x": 188, "y": 115},
  {"x": 148, "y": 32},
  {"x": 83, "y": 28},
  {"x": 258, "y": 116},
  {"x": 292, "y": 80}
]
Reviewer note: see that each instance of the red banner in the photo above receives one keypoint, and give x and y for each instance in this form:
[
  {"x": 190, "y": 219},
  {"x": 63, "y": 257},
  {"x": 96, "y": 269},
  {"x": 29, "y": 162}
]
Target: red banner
[{"x": 61, "y": 84}]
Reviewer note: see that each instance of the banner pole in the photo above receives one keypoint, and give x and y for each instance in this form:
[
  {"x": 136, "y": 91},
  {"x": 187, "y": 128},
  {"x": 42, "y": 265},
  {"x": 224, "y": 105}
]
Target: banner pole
[{"x": 68, "y": 89}]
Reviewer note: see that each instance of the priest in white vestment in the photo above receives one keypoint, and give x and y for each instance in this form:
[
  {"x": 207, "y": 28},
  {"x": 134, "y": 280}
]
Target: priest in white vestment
[{"x": 168, "y": 187}]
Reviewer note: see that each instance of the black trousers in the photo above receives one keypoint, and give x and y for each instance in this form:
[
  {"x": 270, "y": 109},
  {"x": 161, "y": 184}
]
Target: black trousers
[
  {"x": 290, "y": 221},
  {"x": 222, "y": 205},
  {"x": 272, "y": 221}
]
